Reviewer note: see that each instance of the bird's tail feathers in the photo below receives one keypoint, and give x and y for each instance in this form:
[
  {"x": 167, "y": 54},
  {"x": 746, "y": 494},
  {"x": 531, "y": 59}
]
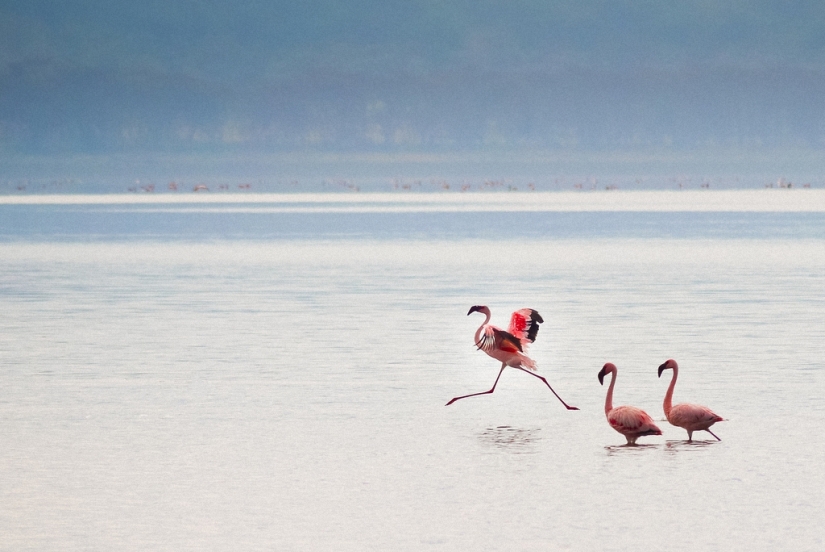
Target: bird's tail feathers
[{"x": 528, "y": 363}]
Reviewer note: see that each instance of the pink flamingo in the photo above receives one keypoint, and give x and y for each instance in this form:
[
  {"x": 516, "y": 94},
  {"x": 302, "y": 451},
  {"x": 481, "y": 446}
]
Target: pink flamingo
[
  {"x": 692, "y": 417},
  {"x": 508, "y": 347},
  {"x": 630, "y": 421}
]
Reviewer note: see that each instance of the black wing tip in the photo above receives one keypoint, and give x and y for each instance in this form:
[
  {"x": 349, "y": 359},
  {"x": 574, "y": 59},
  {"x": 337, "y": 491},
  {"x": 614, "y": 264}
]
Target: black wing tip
[{"x": 535, "y": 320}]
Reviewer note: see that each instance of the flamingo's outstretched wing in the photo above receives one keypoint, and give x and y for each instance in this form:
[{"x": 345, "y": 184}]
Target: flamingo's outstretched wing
[
  {"x": 524, "y": 325},
  {"x": 493, "y": 338}
]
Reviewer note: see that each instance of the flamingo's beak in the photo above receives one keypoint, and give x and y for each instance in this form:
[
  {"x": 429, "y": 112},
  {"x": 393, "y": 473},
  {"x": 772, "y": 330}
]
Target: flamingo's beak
[
  {"x": 601, "y": 376},
  {"x": 472, "y": 310},
  {"x": 662, "y": 368}
]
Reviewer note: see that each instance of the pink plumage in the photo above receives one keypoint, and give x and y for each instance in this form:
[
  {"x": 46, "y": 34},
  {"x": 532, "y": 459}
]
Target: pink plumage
[
  {"x": 691, "y": 417},
  {"x": 524, "y": 324},
  {"x": 630, "y": 421},
  {"x": 508, "y": 347}
]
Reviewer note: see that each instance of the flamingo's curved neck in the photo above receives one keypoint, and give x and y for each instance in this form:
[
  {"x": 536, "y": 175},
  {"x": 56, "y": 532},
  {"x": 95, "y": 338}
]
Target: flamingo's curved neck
[
  {"x": 668, "y": 404},
  {"x": 608, "y": 401},
  {"x": 478, "y": 331}
]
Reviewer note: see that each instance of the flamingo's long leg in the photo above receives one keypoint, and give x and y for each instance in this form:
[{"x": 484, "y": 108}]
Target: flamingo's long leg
[
  {"x": 712, "y": 433},
  {"x": 503, "y": 366},
  {"x": 568, "y": 407}
]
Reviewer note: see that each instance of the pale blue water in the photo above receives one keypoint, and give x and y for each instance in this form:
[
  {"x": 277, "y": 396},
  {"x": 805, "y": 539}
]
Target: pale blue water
[{"x": 220, "y": 379}]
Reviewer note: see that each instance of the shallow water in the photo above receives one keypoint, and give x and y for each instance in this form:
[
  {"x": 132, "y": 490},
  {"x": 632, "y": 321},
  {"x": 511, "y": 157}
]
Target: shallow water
[{"x": 287, "y": 391}]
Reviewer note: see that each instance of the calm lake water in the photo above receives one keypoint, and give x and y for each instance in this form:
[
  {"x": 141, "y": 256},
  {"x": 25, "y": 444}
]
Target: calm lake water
[{"x": 272, "y": 374}]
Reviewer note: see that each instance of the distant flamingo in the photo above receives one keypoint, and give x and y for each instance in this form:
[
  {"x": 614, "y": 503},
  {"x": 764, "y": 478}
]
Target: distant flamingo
[
  {"x": 692, "y": 417},
  {"x": 630, "y": 421},
  {"x": 508, "y": 347}
]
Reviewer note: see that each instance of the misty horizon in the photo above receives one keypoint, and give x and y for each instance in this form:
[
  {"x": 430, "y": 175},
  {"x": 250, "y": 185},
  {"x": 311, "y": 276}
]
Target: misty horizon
[{"x": 695, "y": 87}]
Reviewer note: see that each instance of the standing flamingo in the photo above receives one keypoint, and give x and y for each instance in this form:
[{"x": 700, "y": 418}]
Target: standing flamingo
[
  {"x": 692, "y": 417},
  {"x": 630, "y": 421},
  {"x": 508, "y": 347}
]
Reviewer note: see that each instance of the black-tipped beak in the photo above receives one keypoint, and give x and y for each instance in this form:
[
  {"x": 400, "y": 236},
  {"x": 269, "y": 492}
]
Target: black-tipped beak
[
  {"x": 662, "y": 368},
  {"x": 472, "y": 310},
  {"x": 601, "y": 376}
]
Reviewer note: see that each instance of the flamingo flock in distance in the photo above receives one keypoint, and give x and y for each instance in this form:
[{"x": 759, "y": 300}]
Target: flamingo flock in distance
[{"x": 509, "y": 348}]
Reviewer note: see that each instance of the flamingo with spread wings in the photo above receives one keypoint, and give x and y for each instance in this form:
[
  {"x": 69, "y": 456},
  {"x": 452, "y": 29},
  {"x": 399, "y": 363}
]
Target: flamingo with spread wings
[
  {"x": 508, "y": 347},
  {"x": 691, "y": 417},
  {"x": 630, "y": 421}
]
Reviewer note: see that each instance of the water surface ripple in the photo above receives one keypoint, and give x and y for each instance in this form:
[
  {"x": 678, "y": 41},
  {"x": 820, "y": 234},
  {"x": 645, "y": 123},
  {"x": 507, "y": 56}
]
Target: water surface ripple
[{"x": 260, "y": 393}]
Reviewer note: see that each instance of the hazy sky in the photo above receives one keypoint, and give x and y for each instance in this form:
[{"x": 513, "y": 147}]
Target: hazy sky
[{"x": 109, "y": 75}]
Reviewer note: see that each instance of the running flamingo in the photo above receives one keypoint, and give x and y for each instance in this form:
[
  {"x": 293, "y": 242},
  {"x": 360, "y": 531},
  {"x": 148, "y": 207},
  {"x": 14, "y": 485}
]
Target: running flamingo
[
  {"x": 692, "y": 417},
  {"x": 630, "y": 421},
  {"x": 508, "y": 347}
]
